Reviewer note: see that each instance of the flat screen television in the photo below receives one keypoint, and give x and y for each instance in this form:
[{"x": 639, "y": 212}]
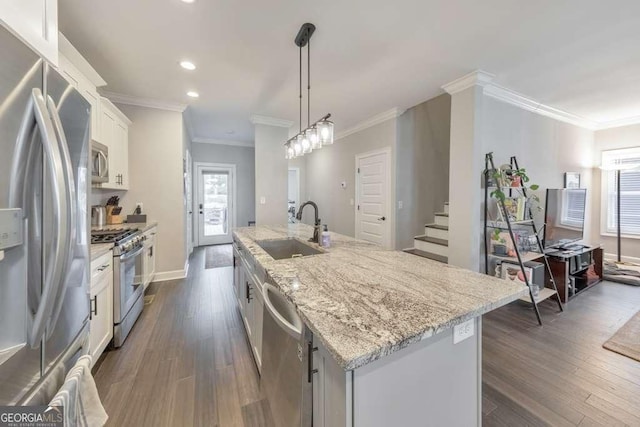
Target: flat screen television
[{"x": 564, "y": 217}]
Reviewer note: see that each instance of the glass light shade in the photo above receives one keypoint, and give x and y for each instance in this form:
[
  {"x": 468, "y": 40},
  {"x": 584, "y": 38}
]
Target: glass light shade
[
  {"x": 325, "y": 132},
  {"x": 312, "y": 136},
  {"x": 306, "y": 144},
  {"x": 297, "y": 147},
  {"x": 290, "y": 152}
]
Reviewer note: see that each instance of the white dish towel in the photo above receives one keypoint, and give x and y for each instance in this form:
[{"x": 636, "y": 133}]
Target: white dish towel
[{"x": 79, "y": 396}]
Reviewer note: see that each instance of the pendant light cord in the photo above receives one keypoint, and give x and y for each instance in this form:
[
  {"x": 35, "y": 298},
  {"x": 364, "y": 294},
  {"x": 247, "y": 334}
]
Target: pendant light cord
[
  {"x": 309, "y": 82},
  {"x": 300, "y": 89}
]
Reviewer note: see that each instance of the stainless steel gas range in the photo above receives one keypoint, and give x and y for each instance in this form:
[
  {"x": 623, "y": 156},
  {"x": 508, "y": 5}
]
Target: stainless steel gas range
[{"x": 128, "y": 292}]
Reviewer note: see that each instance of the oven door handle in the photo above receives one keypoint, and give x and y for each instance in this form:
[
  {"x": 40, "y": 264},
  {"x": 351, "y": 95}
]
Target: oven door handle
[{"x": 127, "y": 256}]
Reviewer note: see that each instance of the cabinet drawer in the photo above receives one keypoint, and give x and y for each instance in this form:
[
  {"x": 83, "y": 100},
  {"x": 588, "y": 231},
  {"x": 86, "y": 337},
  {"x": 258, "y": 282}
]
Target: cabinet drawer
[{"x": 101, "y": 268}]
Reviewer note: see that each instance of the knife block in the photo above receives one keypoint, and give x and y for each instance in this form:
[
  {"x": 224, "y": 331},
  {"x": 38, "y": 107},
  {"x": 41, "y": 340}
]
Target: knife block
[{"x": 113, "y": 219}]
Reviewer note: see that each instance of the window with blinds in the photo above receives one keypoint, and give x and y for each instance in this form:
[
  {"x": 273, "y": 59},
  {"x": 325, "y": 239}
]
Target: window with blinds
[{"x": 628, "y": 162}]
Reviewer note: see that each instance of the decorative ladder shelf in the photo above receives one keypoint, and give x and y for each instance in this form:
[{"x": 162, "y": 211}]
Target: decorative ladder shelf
[{"x": 507, "y": 224}]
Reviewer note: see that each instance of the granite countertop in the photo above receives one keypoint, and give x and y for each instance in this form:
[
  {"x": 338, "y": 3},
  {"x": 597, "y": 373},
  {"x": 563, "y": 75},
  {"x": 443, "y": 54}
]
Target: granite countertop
[
  {"x": 142, "y": 226},
  {"x": 99, "y": 249},
  {"x": 364, "y": 302}
]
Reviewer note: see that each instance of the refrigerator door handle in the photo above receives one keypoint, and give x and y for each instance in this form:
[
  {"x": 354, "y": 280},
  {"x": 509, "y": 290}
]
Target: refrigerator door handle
[
  {"x": 53, "y": 269},
  {"x": 70, "y": 189}
]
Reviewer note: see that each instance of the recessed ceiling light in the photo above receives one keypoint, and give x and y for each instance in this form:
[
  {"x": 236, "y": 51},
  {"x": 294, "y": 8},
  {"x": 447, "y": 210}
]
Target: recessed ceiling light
[
  {"x": 188, "y": 65},
  {"x": 230, "y": 132},
  {"x": 193, "y": 94},
  {"x": 188, "y": 1}
]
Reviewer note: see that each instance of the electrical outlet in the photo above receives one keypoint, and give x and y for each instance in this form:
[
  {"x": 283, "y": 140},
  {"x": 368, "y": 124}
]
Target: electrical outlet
[
  {"x": 400, "y": 204},
  {"x": 463, "y": 331},
  {"x": 141, "y": 206},
  {"x": 351, "y": 202}
]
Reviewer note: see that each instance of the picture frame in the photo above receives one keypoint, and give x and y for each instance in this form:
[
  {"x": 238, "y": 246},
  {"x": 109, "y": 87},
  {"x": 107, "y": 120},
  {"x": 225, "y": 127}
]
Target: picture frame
[{"x": 571, "y": 180}]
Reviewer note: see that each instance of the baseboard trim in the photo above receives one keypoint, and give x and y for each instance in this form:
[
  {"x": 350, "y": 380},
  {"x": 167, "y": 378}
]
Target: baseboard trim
[
  {"x": 169, "y": 275},
  {"x": 613, "y": 257}
]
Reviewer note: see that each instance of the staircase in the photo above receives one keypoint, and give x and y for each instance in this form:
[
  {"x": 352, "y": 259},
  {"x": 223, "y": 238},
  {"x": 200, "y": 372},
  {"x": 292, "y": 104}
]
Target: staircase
[{"x": 434, "y": 244}]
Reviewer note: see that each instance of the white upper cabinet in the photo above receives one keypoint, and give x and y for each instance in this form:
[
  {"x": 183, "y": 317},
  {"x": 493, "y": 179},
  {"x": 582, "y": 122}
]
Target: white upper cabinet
[
  {"x": 114, "y": 133},
  {"x": 84, "y": 78},
  {"x": 35, "y": 22}
]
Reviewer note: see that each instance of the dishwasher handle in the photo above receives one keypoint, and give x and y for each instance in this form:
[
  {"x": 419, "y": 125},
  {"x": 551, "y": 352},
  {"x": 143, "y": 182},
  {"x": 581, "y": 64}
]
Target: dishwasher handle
[{"x": 294, "y": 329}]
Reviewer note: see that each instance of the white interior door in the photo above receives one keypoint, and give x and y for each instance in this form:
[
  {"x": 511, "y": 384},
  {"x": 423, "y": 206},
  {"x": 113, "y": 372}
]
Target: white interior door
[
  {"x": 188, "y": 192},
  {"x": 373, "y": 194},
  {"x": 293, "y": 193},
  {"x": 215, "y": 203}
]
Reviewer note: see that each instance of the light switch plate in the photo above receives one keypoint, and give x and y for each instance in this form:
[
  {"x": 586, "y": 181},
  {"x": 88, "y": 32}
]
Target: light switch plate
[
  {"x": 263, "y": 200},
  {"x": 463, "y": 331}
]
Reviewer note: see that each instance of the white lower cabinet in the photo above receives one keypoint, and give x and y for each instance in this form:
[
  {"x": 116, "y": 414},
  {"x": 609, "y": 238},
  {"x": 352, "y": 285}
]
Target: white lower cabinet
[
  {"x": 101, "y": 325},
  {"x": 248, "y": 292}
]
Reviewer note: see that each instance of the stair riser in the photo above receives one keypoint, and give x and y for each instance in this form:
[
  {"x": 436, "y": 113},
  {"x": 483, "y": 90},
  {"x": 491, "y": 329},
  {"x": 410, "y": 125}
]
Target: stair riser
[
  {"x": 442, "y": 220},
  {"x": 431, "y": 247},
  {"x": 446, "y": 208},
  {"x": 438, "y": 234}
]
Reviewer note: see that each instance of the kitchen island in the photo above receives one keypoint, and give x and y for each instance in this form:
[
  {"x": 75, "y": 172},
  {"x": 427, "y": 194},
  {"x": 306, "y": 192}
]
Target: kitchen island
[{"x": 383, "y": 324}]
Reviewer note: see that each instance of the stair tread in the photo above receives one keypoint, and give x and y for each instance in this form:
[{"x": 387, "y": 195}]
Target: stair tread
[
  {"x": 429, "y": 255},
  {"x": 433, "y": 240},
  {"x": 437, "y": 226},
  {"x": 442, "y": 214}
]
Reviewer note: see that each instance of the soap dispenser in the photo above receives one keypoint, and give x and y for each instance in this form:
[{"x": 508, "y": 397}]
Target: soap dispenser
[{"x": 326, "y": 237}]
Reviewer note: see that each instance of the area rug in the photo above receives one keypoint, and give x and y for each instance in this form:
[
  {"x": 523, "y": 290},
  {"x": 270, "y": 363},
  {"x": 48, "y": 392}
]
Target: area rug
[
  {"x": 626, "y": 273},
  {"x": 627, "y": 340},
  {"x": 218, "y": 256}
]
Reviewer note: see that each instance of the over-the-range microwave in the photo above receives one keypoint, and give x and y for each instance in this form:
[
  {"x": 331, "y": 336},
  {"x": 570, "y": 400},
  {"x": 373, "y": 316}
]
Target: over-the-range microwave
[{"x": 99, "y": 163}]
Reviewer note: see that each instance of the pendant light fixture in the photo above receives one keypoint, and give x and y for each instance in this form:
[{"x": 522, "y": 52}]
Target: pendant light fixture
[{"x": 316, "y": 134}]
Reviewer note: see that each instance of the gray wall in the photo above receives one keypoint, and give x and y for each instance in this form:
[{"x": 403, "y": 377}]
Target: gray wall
[
  {"x": 156, "y": 179},
  {"x": 271, "y": 175},
  {"x": 545, "y": 147},
  {"x": 611, "y": 139},
  {"x": 244, "y": 159},
  {"x": 422, "y": 164},
  {"x": 328, "y": 167}
]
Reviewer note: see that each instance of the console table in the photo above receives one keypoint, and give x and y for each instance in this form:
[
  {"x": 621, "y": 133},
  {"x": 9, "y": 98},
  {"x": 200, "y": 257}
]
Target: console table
[{"x": 576, "y": 270}]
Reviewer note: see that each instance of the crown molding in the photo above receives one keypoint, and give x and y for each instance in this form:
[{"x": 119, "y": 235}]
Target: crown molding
[
  {"x": 514, "y": 98},
  {"x": 474, "y": 78},
  {"x": 158, "y": 104},
  {"x": 372, "y": 121},
  {"x": 201, "y": 140},
  {"x": 257, "y": 119}
]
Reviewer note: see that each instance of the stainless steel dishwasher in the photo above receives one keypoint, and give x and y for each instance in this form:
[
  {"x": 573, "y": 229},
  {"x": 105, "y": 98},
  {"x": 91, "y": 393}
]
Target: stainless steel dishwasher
[{"x": 286, "y": 370}]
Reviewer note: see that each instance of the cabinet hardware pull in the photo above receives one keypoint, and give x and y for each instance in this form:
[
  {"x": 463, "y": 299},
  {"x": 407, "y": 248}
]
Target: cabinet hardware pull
[
  {"x": 94, "y": 309},
  {"x": 310, "y": 350}
]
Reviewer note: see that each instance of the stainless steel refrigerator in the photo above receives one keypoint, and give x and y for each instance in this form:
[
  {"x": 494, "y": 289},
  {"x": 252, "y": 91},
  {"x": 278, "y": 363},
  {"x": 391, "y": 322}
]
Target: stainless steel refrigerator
[{"x": 44, "y": 225}]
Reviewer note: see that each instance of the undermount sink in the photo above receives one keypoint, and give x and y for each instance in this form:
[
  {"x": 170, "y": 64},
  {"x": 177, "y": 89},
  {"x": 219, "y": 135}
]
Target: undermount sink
[{"x": 287, "y": 248}]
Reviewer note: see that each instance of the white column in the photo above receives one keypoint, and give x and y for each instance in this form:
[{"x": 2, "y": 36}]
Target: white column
[
  {"x": 466, "y": 164},
  {"x": 271, "y": 169}
]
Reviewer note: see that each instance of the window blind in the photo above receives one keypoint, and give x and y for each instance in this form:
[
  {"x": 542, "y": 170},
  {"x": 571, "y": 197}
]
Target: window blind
[{"x": 629, "y": 189}]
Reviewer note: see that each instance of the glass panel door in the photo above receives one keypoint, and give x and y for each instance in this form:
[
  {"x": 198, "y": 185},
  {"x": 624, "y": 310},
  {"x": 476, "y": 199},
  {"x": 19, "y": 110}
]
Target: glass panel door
[{"x": 215, "y": 205}]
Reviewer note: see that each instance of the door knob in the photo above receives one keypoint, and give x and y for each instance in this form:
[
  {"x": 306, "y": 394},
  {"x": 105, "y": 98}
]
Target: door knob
[{"x": 382, "y": 218}]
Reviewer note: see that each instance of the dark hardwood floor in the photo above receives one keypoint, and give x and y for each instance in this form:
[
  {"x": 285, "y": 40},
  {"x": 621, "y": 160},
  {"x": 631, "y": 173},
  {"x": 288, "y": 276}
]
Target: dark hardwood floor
[
  {"x": 559, "y": 374},
  {"x": 187, "y": 361}
]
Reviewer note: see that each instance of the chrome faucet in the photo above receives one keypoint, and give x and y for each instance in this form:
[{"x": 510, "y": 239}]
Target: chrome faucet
[{"x": 316, "y": 228}]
